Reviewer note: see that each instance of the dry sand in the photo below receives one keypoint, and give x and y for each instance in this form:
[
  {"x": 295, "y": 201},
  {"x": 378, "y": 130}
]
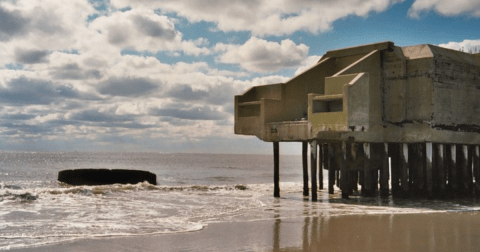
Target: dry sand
[{"x": 455, "y": 231}]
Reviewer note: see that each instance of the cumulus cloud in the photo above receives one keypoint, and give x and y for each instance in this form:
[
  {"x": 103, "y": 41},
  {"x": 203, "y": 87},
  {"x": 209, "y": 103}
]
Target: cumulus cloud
[
  {"x": 265, "y": 17},
  {"x": 144, "y": 30},
  {"x": 259, "y": 55},
  {"x": 25, "y": 91},
  {"x": 31, "y": 56},
  {"x": 445, "y": 7},
  {"x": 51, "y": 24},
  {"x": 94, "y": 115},
  {"x": 213, "y": 94},
  {"x": 127, "y": 86},
  {"x": 191, "y": 113},
  {"x": 11, "y": 23},
  {"x": 466, "y": 45},
  {"x": 17, "y": 116},
  {"x": 74, "y": 72}
]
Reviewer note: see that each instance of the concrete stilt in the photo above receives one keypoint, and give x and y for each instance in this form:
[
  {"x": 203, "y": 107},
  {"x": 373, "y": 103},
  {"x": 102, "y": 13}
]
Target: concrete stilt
[
  {"x": 452, "y": 167},
  {"x": 361, "y": 176},
  {"x": 276, "y": 169},
  {"x": 384, "y": 172},
  {"x": 313, "y": 168},
  {"x": 337, "y": 172},
  {"x": 420, "y": 168},
  {"x": 353, "y": 174},
  {"x": 367, "y": 189},
  {"x": 393, "y": 151},
  {"x": 305, "y": 167},
  {"x": 320, "y": 168},
  {"x": 429, "y": 168},
  {"x": 439, "y": 166},
  {"x": 359, "y": 162},
  {"x": 331, "y": 168},
  {"x": 465, "y": 164},
  {"x": 375, "y": 180},
  {"x": 476, "y": 169},
  {"x": 404, "y": 169},
  {"x": 470, "y": 169},
  {"x": 354, "y": 181},
  {"x": 344, "y": 185}
]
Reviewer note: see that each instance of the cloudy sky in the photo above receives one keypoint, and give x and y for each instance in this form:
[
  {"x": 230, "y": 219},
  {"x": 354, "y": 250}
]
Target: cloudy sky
[{"x": 145, "y": 75}]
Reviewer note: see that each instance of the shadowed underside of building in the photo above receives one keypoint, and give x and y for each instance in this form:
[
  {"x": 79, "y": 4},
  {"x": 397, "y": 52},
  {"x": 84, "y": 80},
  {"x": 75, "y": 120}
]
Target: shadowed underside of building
[{"x": 375, "y": 113}]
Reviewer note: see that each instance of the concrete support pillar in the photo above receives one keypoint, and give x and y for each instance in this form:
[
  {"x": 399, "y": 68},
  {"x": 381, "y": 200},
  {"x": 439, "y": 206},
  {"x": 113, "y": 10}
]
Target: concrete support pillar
[
  {"x": 337, "y": 173},
  {"x": 313, "y": 168},
  {"x": 420, "y": 168},
  {"x": 331, "y": 168},
  {"x": 470, "y": 170},
  {"x": 452, "y": 167},
  {"x": 276, "y": 169},
  {"x": 320, "y": 168},
  {"x": 351, "y": 164},
  {"x": 354, "y": 181},
  {"x": 404, "y": 169},
  {"x": 439, "y": 167},
  {"x": 476, "y": 169},
  {"x": 367, "y": 189},
  {"x": 344, "y": 183},
  {"x": 465, "y": 168},
  {"x": 375, "y": 180},
  {"x": 429, "y": 168},
  {"x": 305, "y": 167},
  {"x": 393, "y": 151},
  {"x": 384, "y": 172}
]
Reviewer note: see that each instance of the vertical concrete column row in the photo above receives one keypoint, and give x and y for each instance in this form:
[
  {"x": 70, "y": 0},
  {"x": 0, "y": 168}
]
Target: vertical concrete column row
[{"x": 416, "y": 169}]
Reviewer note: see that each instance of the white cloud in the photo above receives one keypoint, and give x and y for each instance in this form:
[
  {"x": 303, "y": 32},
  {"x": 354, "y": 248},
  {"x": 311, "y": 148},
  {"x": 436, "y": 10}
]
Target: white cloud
[
  {"x": 258, "y": 55},
  {"x": 466, "y": 45},
  {"x": 143, "y": 30},
  {"x": 446, "y": 7},
  {"x": 51, "y": 24},
  {"x": 265, "y": 17}
]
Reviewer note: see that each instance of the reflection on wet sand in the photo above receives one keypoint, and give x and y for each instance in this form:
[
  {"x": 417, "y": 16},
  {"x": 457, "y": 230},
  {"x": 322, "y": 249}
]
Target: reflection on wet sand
[{"x": 453, "y": 231}]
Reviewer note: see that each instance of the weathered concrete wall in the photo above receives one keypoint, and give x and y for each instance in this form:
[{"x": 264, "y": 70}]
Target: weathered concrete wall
[
  {"x": 457, "y": 85},
  {"x": 358, "y": 102},
  {"x": 395, "y": 86}
]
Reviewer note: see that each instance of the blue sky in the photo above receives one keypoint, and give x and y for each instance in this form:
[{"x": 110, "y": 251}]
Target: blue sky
[{"x": 143, "y": 75}]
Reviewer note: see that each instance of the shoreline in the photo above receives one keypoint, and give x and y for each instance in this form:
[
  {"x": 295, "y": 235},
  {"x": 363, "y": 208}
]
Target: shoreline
[{"x": 451, "y": 231}]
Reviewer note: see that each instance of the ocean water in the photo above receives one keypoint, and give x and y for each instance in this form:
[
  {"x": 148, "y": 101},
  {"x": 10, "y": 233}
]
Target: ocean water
[{"x": 193, "y": 191}]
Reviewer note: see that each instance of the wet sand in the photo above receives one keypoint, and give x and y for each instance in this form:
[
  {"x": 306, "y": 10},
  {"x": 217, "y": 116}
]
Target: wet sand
[{"x": 455, "y": 231}]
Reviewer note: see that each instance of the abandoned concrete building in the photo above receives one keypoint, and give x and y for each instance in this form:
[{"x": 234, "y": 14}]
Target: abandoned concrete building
[{"x": 406, "y": 119}]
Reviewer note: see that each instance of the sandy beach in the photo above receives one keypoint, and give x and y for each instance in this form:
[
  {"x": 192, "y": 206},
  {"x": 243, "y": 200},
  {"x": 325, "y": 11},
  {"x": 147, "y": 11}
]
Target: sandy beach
[{"x": 454, "y": 231}]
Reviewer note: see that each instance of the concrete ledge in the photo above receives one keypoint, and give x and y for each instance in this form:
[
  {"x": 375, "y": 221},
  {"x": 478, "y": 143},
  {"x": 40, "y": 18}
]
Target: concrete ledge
[{"x": 105, "y": 177}]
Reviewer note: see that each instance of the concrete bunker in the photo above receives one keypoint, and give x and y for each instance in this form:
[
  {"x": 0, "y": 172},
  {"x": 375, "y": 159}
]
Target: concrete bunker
[
  {"x": 405, "y": 119},
  {"x": 105, "y": 176}
]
